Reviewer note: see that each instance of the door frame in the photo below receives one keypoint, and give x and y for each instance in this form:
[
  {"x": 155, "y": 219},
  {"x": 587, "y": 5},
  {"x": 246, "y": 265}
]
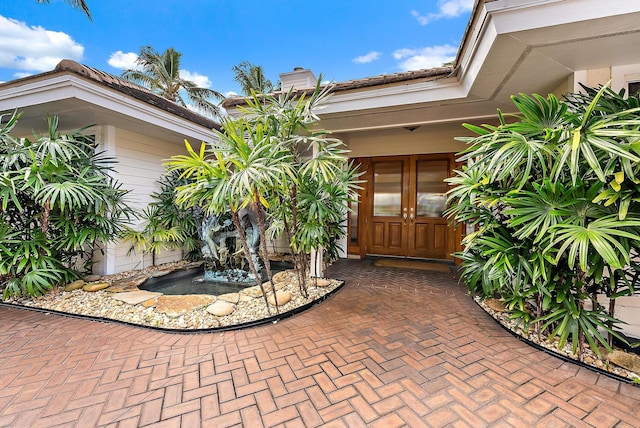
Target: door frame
[{"x": 359, "y": 245}]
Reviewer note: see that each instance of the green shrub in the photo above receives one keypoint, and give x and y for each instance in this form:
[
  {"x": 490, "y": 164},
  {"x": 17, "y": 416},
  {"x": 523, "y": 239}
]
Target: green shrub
[
  {"x": 58, "y": 204},
  {"x": 553, "y": 194}
]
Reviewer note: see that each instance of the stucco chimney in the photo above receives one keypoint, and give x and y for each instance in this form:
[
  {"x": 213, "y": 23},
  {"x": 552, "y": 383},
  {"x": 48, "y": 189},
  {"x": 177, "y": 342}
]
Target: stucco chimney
[{"x": 299, "y": 78}]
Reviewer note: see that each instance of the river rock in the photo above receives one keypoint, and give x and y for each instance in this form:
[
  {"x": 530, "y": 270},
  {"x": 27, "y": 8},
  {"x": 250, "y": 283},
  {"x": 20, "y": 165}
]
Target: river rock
[
  {"x": 282, "y": 296},
  {"x": 95, "y": 286},
  {"x": 174, "y": 306},
  {"x": 280, "y": 277},
  {"x": 75, "y": 285},
  {"x": 221, "y": 308},
  {"x": 230, "y": 297},
  {"x": 320, "y": 282},
  {"x": 92, "y": 278},
  {"x": 495, "y": 304},
  {"x": 136, "y": 297},
  {"x": 623, "y": 359}
]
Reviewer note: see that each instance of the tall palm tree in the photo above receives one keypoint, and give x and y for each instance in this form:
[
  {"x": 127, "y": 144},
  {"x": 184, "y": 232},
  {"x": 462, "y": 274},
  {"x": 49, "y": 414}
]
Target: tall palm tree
[
  {"x": 161, "y": 74},
  {"x": 251, "y": 77},
  {"x": 78, "y": 4}
]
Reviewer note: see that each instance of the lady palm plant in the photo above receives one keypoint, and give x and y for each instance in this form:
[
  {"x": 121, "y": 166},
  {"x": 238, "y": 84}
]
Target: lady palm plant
[
  {"x": 210, "y": 188},
  {"x": 314, "y": 158},
  {"x": 166, "y": 225},
  {"x": 58, "y": 204},
  {"x": 553, "y": 196},
  {"x": 261, "y": 160}
]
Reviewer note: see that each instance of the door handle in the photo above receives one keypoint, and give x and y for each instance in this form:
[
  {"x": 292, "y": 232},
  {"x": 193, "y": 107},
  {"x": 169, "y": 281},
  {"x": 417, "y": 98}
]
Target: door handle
[
  {"x": 412, "y": 217},
  {"x": 404, "y": 219}
]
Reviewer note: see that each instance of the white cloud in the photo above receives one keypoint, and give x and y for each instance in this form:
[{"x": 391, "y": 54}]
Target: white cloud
[
  {"x": 446, "y": 9},
  {"x": 20, "y": 75},
  {"x": 34, "y": 48},
  {"x": 364, "y": 59},
  {"x": 123, "y": 60},
  {"x": 231, "y": 94},
  {"x": 426, "y": 57},
  {"x": 200, "y": 80},
  {"x": 127, "y": 60}
]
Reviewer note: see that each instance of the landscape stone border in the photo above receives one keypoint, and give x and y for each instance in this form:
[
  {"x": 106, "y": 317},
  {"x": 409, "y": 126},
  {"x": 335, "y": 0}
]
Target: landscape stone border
[
  {"x": 557, "y": 354},
  {"x": 255, "y": 323}
]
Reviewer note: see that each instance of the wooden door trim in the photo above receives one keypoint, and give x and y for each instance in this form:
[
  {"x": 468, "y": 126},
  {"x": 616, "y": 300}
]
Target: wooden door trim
[{"x": 365, "y": 207}]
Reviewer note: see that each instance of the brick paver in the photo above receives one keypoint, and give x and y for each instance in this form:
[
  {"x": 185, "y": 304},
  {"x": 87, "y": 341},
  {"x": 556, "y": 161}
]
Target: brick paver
[{"x": 392, "y": 348}]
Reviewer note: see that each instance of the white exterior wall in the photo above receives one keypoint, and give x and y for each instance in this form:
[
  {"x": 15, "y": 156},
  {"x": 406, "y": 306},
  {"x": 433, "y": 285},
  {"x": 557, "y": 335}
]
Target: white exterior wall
[
  {"x": 138, "y": 169},
  {"x": 392, "y": 142}
]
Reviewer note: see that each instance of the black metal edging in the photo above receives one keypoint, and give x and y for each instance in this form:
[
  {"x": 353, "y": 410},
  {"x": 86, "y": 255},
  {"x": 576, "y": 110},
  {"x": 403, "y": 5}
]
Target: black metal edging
[
  {"x": 558, "y": 355},
  {"x": 270, "y": 320}
]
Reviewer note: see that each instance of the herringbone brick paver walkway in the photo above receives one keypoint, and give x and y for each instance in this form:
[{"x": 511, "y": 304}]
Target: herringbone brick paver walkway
[{"x": 393, "y": 348}]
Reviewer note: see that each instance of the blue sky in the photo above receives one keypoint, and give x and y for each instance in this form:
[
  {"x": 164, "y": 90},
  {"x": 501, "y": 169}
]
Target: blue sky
[{"x": 340, "y": 39}]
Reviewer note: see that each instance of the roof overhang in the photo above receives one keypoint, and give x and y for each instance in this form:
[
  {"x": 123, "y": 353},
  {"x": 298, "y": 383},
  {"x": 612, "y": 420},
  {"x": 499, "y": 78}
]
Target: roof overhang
[
  {"x": 510, "y": 46},
  {"x": 79, "y": 102}
]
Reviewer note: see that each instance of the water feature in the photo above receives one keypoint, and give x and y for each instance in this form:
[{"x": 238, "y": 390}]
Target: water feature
[
  {"x": 192, "y": 281},
  {"x": 222, "y": 252},
  {"x": 225, "y": 267}
]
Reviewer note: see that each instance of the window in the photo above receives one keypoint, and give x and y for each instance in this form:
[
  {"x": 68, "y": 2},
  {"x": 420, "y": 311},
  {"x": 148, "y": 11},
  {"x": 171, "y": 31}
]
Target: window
[{"x": 634, "y": 88}]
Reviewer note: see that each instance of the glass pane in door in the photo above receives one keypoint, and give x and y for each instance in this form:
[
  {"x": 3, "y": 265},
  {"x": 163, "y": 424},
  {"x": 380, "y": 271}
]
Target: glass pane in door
[
  {"x": 387, "y": 188},
  {"x": 431, "y": 188},
  {"x": 353, "y": 222}
]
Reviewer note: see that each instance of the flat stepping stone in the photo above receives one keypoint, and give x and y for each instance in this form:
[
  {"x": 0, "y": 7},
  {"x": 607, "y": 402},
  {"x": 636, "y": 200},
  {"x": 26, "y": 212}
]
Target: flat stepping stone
[
  {"x": 132, "y": 282},
  {"x": 150, "y": 303},
  {"x": 75, "y": 285},
  {"x": 174, "y": 306},
  {"x": 230, "y": 297},
  {"x": 254, "y": 291},
  {"x": 135, "y": 297},
  {"x": 92, "y": 278},
  {"x": 221, "y": 308},
  {"x": 245, "y": 298},
  {"x": 95, "y": 286}
]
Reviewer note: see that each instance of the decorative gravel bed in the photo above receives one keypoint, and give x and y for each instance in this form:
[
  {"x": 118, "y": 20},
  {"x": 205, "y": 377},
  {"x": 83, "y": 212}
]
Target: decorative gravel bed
[
  {"x": 605, "y": 363},
  {"x": 181, "y": 312}
]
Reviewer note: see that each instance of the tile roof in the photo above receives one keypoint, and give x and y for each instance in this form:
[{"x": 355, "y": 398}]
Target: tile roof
[
  {"x": 367, "y": 82},
  {"x": 128, "y": 88}
]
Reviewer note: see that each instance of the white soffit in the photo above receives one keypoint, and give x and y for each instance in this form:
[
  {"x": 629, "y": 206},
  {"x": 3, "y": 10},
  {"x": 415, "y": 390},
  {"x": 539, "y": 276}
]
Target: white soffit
[{"x": 533, "y": 45}]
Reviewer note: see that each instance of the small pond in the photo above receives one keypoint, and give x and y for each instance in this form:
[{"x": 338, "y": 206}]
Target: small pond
[{"x": 191, "y": 281}]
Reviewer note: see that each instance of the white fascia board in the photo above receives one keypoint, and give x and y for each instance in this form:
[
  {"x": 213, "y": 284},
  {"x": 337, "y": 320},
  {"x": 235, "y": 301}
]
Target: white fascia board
[
  {"x": 519, "y": 15},
  {"x": 394, "y": 96},
  {"x": 66, "y": 87}
]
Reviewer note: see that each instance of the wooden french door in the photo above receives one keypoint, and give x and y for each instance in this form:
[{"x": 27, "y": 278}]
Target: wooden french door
[{"x": 404, "y": 204}]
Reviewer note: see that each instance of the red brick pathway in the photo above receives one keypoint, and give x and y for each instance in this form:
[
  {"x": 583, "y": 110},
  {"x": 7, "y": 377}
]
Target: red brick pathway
[{"x": 393, "y": 348}]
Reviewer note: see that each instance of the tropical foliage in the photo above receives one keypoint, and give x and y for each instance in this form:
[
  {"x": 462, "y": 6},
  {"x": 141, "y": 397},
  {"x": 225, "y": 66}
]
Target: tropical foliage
[
  {"x": 160, "y": 72},
  {"x": 270, "y": 161},
  {"x": 251, "y": 78},
  {"x": 78, "y": 4},
  {"x": 167, "y": 226},
  {"x": 553, "y": 196},
  {"x": 58, "y": 203}
]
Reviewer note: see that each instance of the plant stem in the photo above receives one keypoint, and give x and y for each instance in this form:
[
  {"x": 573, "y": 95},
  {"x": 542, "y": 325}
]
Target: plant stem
[{"x": 247, "y": 255}]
